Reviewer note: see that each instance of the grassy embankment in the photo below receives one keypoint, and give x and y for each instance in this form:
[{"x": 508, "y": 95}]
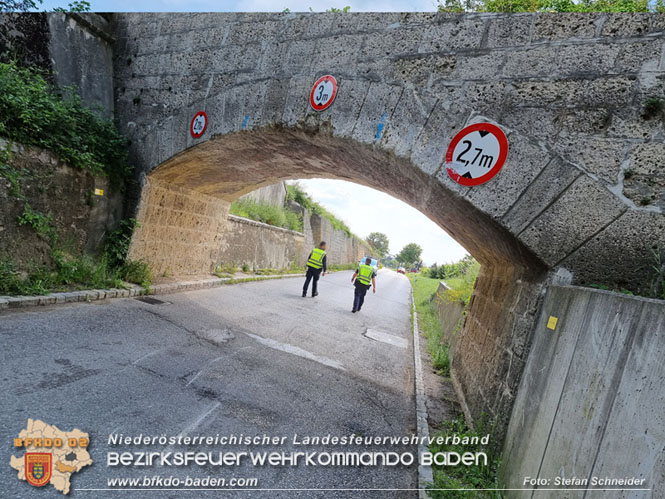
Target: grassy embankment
[
  {"x": 461, "y": 281},
  {"x": 34, "y": 112}
]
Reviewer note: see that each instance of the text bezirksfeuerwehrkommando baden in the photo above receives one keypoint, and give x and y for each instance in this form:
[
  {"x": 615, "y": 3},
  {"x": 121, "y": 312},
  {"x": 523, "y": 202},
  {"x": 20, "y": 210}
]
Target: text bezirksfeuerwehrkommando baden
[{"x": 360, "y": 455}]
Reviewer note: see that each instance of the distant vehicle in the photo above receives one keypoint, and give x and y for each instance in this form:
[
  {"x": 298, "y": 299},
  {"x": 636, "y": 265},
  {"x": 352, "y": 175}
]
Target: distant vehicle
[
  {"x": 401, "y": 270},
  {"x": 374, "y": 264},
  {"x": 413, "y": 271}
]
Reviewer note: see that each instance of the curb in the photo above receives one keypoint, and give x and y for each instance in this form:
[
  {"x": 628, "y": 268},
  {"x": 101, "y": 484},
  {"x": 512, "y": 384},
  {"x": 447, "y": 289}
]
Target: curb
[
  {"x": 425, "y": 476},
  {"x": 132, "y": 290}
]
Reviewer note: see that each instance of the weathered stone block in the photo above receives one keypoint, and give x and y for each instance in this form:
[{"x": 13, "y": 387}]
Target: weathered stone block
[
  {"x": 553, "y": 180},
  {"x": 510, "y": 30},
  {"x": 376, "y": 111},
  {"x": 407, "y": 121},
  {"x": 499, "y": 194},
  {"x": 456, "y": 33},
  {"x": 584, "y": 209},
  {"x": 559, "y": 26},
  {"x": 529, "y": 62},
  {"x": 625, "y": 24},
  {"x": 395, "y": 42},
  {"x": 576, "y": 60},
  {"x": 637, "y": 234},
  {"x": 600, "y": 156}
]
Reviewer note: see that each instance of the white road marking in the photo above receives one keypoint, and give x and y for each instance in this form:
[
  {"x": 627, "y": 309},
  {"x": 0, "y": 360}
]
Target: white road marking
[
  {"x": 391, "y": 339},
  {"x": 199, "y": 420},
  {"x": 212, "y": 362},
  {"x": 147, "y": 355},
  {"x": 285, "y": 347}
]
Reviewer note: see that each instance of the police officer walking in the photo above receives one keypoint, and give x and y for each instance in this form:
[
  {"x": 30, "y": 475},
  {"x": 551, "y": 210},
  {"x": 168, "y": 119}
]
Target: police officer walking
[
  {"x": 362, "y": 278},
  {"x": 315, "y": 264}
]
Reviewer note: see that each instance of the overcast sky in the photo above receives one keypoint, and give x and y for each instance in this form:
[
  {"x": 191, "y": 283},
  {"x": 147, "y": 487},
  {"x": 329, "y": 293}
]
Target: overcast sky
[
  {"x": 367, "y": 210},
  {"x": 248, "y": 5}
]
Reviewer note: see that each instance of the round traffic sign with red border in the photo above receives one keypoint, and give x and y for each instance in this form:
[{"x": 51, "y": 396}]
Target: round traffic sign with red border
[
  {"x": 199, "y": 124},
  {"x": 476, "y": 154},
  {"x": 323, "y": 93}
]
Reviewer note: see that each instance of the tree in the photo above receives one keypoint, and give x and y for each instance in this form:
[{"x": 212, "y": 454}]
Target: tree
[
  {"x": 551, "y": 6},
  {"x": 18, "y": 5},
  {"x": 410, "y": 254},
  {"x": 378, "y": 241}
]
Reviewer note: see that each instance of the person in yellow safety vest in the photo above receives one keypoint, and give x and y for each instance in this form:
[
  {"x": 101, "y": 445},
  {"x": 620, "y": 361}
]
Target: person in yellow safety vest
[
  {"x": 316, "y": 266},
  {"x": 362, "y": 278}
]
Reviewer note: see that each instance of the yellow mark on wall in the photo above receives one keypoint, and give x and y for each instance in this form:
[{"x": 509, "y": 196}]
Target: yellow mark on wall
[
  {"x": 99, "y": 192},
  {"x": 551, "y": 322}
]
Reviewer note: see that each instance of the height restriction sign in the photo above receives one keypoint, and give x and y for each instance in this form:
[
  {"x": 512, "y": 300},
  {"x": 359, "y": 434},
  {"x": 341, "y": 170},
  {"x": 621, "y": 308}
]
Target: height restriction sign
[
  {"x": 199, "y": 124},
  {"x": 323, "y": 93},
  {"x": 476, "y": 154}
]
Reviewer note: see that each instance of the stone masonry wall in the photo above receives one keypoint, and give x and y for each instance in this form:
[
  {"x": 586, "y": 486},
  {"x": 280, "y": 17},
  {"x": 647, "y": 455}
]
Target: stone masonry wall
[
  {"x": 177, "y": 221},
  {"x": 580, "y": 192},
  {"x": 341, "y": 248},
  {"x": 259, "y": 245}
]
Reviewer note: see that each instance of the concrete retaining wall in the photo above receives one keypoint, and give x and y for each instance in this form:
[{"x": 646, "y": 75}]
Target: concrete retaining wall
[
  {"x": 274, "y": 194},
  {"x": 259, "y": 245},
  {"x": 590, "y": 402}
]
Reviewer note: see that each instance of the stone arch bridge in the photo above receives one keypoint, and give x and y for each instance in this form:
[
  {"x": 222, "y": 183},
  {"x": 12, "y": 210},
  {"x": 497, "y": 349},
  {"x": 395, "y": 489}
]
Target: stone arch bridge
[{"x": 580, "y": 199}]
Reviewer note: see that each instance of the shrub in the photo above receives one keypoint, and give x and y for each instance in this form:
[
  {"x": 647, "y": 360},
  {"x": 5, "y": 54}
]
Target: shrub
[
  {"x": 267, "y": 213},
  {"x": 136, "y": 272},
  {"x": 35, "y": 112}
]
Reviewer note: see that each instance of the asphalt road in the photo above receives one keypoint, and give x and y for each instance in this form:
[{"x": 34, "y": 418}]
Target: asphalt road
[{"x": 249, "y": 359}]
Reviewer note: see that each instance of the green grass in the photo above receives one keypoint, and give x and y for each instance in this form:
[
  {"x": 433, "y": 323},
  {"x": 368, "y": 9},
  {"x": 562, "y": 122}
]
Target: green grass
[
  {"x": 466, "y": 477},
  {"x": 424, "y": 289},
  {"x": 278, "y": 216},
  {"x": 70, "y": 273}
]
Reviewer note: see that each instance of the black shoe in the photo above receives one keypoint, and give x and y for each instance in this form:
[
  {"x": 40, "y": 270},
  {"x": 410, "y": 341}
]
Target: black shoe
[
  {"x": 353, "y": 311},
  {"x": 315, "y": 294},
  {"x": 304, "y": 295}
]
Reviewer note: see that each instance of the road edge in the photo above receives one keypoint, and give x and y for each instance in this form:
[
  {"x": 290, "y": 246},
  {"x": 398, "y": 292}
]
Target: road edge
[
  {"x": 425, "y": 476},
  {"x": 131, "y": 290}
]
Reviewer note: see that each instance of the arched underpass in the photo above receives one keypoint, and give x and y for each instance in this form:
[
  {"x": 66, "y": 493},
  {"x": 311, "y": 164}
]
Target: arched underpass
[
  {"x": 183, "y": 216},
  {"x": 568, "y": 90}
]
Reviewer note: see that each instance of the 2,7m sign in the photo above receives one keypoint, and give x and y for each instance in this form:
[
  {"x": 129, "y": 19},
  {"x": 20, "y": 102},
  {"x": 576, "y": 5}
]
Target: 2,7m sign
[{"x": 476, "y": 154}]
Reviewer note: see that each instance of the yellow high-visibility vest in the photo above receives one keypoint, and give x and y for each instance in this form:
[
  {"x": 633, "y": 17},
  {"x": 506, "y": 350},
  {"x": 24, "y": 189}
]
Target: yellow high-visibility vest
[
  {"x": 316, "y": 260},
  {"x": 365, "y": 273}
]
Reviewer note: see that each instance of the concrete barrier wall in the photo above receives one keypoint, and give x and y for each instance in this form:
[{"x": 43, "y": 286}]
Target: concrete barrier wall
[
  {"x": 590, "y": 402},
  {"x": 260, "y": 245},
  {"x": 342, "y": 248}
]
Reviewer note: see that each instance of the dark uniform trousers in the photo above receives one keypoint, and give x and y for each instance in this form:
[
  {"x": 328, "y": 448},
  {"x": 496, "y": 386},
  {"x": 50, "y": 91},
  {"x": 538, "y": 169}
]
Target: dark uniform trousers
[
  {"x": 359, "y": 295},
  {"x": 312, "y": 275}
]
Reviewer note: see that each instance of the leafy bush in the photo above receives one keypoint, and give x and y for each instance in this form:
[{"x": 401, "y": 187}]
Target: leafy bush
[
  {"x": 40, "y": 223},
  {"x": 32, "y": 111},
  {"x": 267, "y": 213},
  {"x": 137, "y": 272},
  {"x": 118, "y": 241}
]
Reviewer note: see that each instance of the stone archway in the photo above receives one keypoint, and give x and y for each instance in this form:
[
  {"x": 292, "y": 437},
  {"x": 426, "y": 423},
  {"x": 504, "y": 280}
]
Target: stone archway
[{"x": 567, "y": 89}]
